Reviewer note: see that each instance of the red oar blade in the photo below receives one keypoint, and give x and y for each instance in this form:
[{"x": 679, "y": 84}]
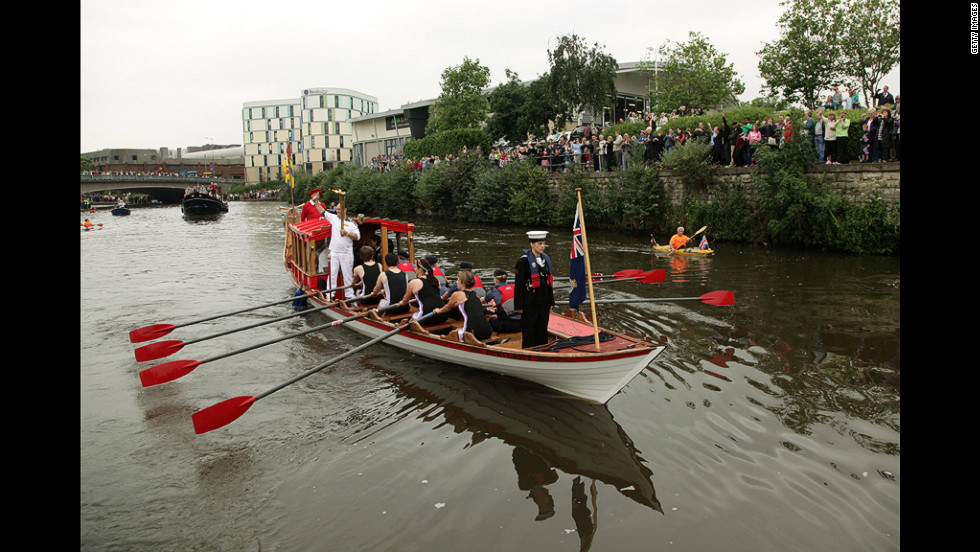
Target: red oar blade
[
  {"x": 652, "y": 277},
  {"x": 150, "y": 332},
  {"x": 157, "y": 350},
  {"x": 220, "y": 414},
  {"x": 628, "y": 273},
  {"x": 718, "y": 298},
  {"x": 168, "y": 371}
]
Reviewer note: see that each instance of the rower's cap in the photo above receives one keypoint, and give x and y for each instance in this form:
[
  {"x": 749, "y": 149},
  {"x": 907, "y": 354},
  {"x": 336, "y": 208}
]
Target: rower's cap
[
  {"x": 537, "y": 235},
  {"x": 466, "y": 265},
  {"x": 499, "y": 272},
  {"x": 314, "y": 191}
]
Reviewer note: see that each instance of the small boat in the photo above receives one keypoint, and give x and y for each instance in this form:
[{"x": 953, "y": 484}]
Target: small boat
[
  {"x": 203, "y": 201},
  {"x": 571, "y": 362},
  {"x": 120, "y": 211},
  {"x": 664, "y": 250}
]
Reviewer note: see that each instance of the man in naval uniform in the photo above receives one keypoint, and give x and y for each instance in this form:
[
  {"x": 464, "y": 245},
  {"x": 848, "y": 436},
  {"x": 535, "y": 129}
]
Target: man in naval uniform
[{"x": 533, "y": 290}]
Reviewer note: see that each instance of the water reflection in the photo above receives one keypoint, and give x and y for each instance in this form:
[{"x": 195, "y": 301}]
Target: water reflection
[{"x": 549, "y": 433}]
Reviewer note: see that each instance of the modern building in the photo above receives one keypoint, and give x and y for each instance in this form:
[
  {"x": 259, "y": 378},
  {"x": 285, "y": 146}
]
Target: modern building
[
  {"x": 385, "y": 133},
  {"x": 269, "y": 129},
  {"x": 315, "y": 128}
]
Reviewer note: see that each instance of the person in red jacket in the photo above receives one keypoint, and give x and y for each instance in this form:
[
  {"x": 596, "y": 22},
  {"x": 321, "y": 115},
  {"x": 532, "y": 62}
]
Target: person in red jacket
[{"x": 313, "y": 209}]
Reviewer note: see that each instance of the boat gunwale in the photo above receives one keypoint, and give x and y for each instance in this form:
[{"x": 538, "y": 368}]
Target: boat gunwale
[{"x": 637, "y": 348}]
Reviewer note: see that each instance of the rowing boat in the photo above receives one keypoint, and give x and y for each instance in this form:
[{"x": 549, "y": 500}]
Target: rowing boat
[
  {"x": 664, "y": 250},
  {"x": 572, "y": 362}
]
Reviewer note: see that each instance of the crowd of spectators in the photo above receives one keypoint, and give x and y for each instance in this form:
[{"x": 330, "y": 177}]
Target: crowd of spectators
[{"x": 733, "y": 143}]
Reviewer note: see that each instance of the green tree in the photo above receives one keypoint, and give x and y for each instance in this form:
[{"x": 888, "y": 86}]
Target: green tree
[
  {"x": 798, "y": 66},
  {"x": 507, "y": 103},
  {"x": 462, "y": 103},
  {"x": 582, "y": 78},
  {"x": 693, "y": 74},
  {"x": 869, "y": 41}
]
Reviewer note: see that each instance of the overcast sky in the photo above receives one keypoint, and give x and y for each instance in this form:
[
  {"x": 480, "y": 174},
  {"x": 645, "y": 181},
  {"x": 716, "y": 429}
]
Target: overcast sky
[{"x": 175, "y": 73}]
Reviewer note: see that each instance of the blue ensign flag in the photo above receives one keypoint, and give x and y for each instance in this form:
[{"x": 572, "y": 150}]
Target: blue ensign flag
[{"x": 576, "y": 265}]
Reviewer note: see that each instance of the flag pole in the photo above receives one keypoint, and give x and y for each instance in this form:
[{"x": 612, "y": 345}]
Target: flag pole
[{"x": 588, "y": 267}]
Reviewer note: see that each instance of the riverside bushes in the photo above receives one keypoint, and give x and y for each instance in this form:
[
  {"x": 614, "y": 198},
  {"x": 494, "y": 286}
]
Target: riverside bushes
[{"x": 792, "y": 209}]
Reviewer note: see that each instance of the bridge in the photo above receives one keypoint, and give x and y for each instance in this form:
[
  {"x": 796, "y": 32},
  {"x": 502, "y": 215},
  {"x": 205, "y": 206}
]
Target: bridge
[{"x": 166, "y": 188}]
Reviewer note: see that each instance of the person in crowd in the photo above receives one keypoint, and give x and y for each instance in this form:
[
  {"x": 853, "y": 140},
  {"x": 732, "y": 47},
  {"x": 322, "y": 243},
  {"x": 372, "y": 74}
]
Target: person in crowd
[
  {"x": 754, "y": 139},
  {"x": 533, "y": 290},
  {"x": 610, "y": 153},
  {"x": 842, "y": 127},
  {"x": 885, "y": 135},
  {"x": 819, "y": 129},
  {"x": 769, "y": 134},
  {"x": 873, "y": 125},
  {"x": 469, "y": 306},
  {"x": 830, "y": 138},
  {"x": 897, "y": 133},
  {"x": 667, "y": 140},
  {"x": 884, "y": 97}
]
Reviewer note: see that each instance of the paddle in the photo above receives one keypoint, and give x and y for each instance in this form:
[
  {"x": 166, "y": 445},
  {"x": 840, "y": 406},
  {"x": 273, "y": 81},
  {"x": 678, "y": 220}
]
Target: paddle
[
  {"x": 154, "y": 331},
  {"x": 691, "y": 237},
  {"x": 617, "y": 276},
  {"x": 161, "y": 349},
  {"x": 169, "y": 371},
  {"x": 649, "y": 277},
  {"x": 717, "y": 298},
  {"x": 228, "y": 411}
]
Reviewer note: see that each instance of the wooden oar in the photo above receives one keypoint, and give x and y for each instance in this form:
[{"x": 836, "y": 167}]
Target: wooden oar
[
  {"x": 228, "y": 411},
  {"x": 154, "y": 331},
  {"x": 161, "y": 349},
  {"x": 649, "y": 277},
  {"x": 169, "y": 371},
  {"x": 622, "y": 274},
  {"x": 628, "y": 273},
  {"x": 717, "y": 298}
]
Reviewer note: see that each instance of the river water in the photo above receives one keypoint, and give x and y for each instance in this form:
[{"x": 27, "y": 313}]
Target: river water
[{"x": 772, "y": 424}]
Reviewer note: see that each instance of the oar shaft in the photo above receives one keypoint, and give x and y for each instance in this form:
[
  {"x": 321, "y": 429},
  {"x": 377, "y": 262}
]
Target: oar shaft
[
  {"x": 264, "y": 322},
  {"x": 336, "y": 359},
  {"x": 297, "y": 334}
]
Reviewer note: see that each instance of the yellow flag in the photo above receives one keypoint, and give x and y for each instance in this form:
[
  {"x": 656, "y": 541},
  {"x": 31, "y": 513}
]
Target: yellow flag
[{"x": 288, "y": 173}]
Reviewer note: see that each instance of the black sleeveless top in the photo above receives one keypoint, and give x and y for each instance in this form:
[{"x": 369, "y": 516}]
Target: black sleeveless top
[
  {"x": 476, "y": 321},
  {"x": 371, "y": 273},
  {"x": 395, "y": 282},
  {"x": 429, "y": 297}
]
